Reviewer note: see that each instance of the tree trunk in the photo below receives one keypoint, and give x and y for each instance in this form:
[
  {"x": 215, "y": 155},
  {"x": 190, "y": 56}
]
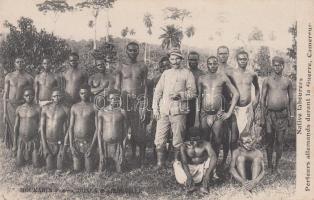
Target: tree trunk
[
  {"x": 145, "y": 51},
  {"x": 95, "y": 33}
]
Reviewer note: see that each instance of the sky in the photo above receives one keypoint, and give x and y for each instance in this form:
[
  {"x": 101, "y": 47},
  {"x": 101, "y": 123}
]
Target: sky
[{"x": 230, "y": 18}]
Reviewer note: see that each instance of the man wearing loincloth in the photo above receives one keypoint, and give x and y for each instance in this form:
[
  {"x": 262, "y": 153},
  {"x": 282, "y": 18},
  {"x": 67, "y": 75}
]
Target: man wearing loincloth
[
  {"x": 82, "y": 131},
  {"x": 72, "y": 79},
  {"x": 194, "y": 163},
  {"x": 246, "y": 105},
  {"x": 277, "y": 107},
  {"x": 26, "y": 134},
  {"x": 247, "y": 165},
  {"x": 14, "y": 84},
  {"x": 131, "y": 80},
  {"x": 44, "y": 83},
  {"x": 210, "y": 87},
  {"x": 54, "y": 128},
  {"x": 112, "y": 129},
  {"x": 170, "y": 104}
]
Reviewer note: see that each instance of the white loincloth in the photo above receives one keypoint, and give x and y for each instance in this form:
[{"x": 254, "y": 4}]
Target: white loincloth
[
  {"x": 245, "y": 116},
  {"x": 43, "y": 103},
  {"x": 197, "y": 171}
]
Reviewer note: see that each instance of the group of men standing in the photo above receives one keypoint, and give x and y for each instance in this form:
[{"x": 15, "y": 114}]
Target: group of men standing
[{"x": 200, "y": 110}]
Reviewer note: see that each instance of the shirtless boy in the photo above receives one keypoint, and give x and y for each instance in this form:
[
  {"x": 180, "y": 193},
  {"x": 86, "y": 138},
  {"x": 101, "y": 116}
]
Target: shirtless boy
[
  {"x": 44, "y": 83},
  {"x": 195, "y": 163},
  {"x": 277, "y": 107},
  {"x": 26, "y": 137},
  {"x": 211, "y": 101},
  {"x": 82, "y": 131},
  {"x": 247, "y": 165},
  {"x": 112, "y": 129},
  {"x": 53, "y": 128},
  {"x": 14, "y": 85}
]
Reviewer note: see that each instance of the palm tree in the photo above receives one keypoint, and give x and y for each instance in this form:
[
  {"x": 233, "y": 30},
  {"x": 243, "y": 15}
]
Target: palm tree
[
  {"x": 148, "y": 23},
  {"x": 189, "y": 32},
  {"x": 171, "y": 37}
]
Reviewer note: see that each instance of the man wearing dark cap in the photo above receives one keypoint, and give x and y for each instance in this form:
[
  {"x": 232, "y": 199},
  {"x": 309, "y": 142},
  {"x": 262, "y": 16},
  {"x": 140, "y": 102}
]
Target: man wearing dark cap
[
  {"x": 170, "y": 104},
  {"x": 277, "y": 106},
  {"x": 195, "y": 162}
]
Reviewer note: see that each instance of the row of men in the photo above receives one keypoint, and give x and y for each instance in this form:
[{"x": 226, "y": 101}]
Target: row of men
[{"x": 175, "y": 106}]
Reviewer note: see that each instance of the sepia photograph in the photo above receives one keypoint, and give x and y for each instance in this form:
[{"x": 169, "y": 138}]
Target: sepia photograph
[{"x": 143, "y": 99}]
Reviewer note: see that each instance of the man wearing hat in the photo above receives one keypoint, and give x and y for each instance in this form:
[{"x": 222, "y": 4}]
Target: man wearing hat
[{"x": 170, "y": 104}]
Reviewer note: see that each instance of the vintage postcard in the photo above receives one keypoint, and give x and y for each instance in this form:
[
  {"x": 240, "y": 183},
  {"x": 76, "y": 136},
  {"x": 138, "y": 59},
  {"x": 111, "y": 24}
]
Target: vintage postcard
[{"x": 147, "y": 99}]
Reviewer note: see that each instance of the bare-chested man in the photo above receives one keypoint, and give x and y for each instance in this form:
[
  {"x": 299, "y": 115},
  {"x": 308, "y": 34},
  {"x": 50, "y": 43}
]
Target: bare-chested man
[
  {"x": 27, "y": 139},
  {"x": 243, "y": 80},
  {"x": 53, "y": 127},
  {"x": 72, "y": 79},
  {"x": 193, "y": 59},
  {"x": 112, "y": 131},
  {"x": 14, "y": 84},
  {"x": 247, "y": 165},
  {"x": 210, "y": 87},
  {"x": 131, "y": 81},
  {"x": 195, "y": 163},
  {"x": 277, "y": 107},
  {"x": 101, "y": 80},
  {"x": 44, "y": 83},
  {"x": 82, "y": 131}
]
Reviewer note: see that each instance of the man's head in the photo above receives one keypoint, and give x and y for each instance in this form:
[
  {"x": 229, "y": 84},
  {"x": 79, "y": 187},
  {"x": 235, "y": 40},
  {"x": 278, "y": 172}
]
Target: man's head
[
  {"x": 194, "y": 136},
  {"x": 46, "y": 64},
  {"x": 223, "y": 54},
  {"x": 193, "y": 59},
  {"x": 101, "y": 65},
  {"x": 242, "y": 59},
  {"x": 84, "y": 93},
  {"x": 163, "y": 64},
  {"x": 278, "y": 64},
  {"x": 248, "y": 142},
  {"x": 175, "y": 58},
  {"x": 29, "y": 95},
  {"x": 212, "y": 64},
  {"x": 73, "y": 60},
  {"x": 114, "y": 98},
  {"x": 132, "y": 50},
  {"x": 19, "y": 63},
  {"x": 56, "y": 95}
]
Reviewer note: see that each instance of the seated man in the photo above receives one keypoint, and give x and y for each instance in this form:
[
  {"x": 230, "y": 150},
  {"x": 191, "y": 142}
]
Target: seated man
[
  {"x": 247, "y": 165},
  {"x": 195, "y": 162},
  {"x": 27, "y": 139},
  {"x": 112, "y": 128}
]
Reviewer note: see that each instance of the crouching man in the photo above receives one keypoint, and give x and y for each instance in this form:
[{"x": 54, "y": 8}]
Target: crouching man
[
  {"x": 112, "y": 128},
  {"x": 247, "y": 165},
  {"x": 194, "y": 163}
]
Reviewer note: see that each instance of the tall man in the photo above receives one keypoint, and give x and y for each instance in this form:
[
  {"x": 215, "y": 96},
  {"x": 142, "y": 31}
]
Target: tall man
[
  {"x": 72, "y": 79},
  {"x": 54, "y": 123},
  {"x": 82, "y": 131},
  {"x": 44, "y": 83},
  {"x": 27, "y": 139},
  {"x": 131, "y": 80},
  {"x": 243, "y": 80},
  {"x": 14, "y": 84},
  {"x": 193, "y": 59},
  {"x": 210, "y": 87},
  {"x": 175, "y": 87},
  {"x": 277, "y": 107}
]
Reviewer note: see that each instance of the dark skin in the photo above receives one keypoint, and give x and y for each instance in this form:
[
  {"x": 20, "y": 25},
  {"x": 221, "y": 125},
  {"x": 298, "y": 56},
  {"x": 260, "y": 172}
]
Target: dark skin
[
  {"x": 83, "y": 126},
  {"x": 247, "y": 152},
  {"x": 197, "y": 152},
  {"x": 277, "y": 95}
]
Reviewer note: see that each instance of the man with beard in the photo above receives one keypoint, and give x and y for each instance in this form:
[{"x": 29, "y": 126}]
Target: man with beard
[
  {"x": 131, "y": 80},
  {"x": 44, "y": 83},
  {"x": 14, "y": 84},
  {"x": 82, "y": 131},
  {"x": 170, "y": 104},
  {"x": 277, "y": 108},
  {"x": 247, "y": 165},
  {"x": 27, "y": 139}
]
